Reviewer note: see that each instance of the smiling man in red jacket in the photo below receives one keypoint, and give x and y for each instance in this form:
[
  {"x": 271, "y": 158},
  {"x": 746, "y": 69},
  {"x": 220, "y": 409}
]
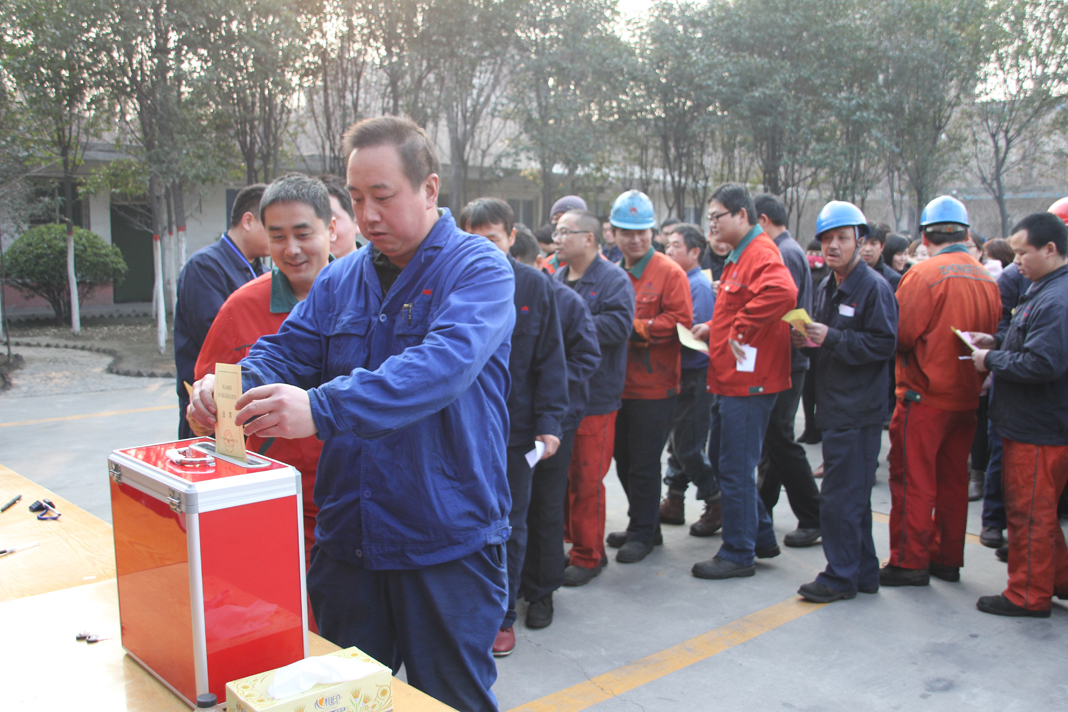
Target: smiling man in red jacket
[{"x": 748, "y": 363}]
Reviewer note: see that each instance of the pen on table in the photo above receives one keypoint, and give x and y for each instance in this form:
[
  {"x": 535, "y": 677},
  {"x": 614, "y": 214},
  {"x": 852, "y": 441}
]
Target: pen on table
[
  {"x": 13, "y": 549},
  {"x": 11, "y": 504}
]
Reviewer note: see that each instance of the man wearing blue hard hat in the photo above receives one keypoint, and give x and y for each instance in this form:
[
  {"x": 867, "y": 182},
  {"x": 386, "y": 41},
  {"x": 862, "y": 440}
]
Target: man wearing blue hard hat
[
  {"x": 662, "y": 294},
  {"x": 937, "y": 394},
  {"x": 854, "y": 333}
]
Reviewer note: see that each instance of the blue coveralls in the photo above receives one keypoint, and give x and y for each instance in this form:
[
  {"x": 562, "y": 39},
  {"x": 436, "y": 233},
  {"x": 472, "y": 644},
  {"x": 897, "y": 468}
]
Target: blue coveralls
[
  {"x": 408, "y": 393},
  {"x": 851, "y": 384}
]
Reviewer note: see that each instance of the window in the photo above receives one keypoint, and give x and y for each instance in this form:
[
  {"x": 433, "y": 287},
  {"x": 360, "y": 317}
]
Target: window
[{"x": 524, "y": 211}]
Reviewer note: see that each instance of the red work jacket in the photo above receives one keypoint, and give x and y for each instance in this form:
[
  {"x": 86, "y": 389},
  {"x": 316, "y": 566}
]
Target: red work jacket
[{"x": 662, "y": 292}]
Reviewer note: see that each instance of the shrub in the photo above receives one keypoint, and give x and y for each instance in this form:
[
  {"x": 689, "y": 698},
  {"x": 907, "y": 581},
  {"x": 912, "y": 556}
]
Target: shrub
[{"x": 37, "y": 264}]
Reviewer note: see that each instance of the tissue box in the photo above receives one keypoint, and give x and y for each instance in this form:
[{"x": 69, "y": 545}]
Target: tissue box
[
  {"x": 209, "y": 556},
  {"x": 373, "y": 693}
]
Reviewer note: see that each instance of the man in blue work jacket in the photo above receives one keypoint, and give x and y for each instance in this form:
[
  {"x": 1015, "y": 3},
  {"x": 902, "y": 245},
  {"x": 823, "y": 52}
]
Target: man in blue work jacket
[
  {"x": 398, "y": 361},
  {"x": 210, "y": 276},
  {"x": 855, "y": 330},
  {"x": 537, "y": 401}
]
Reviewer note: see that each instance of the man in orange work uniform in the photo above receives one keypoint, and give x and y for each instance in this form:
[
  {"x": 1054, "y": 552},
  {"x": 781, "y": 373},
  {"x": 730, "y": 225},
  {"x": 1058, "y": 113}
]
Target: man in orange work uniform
[
  {"x": 295, "y": 210},
  {"x": 748, "y": 364},
  {"x": 662, "y": 293},
  {"x": 937, "y": 393}
]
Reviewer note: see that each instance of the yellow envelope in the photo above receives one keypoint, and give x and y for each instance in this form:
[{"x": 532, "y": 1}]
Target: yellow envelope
[
  {"x": 797, "y": 318},
  {"x": 689, "y": 341},
  {"x": 229, "y": 436},
  {"x": 965, "y": 338}
]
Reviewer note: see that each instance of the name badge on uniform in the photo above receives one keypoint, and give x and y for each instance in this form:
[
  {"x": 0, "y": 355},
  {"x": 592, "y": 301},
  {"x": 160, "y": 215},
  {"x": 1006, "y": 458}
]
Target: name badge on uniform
[{"x": 846, "y": 310}]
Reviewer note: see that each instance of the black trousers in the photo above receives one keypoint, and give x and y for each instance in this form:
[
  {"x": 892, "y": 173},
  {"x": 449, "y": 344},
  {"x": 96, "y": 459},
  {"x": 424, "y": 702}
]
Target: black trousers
[
  {"x": 687, "y": 461},
  {"x": 808, "y": 398},
  {"x": 642, "y": 428},
  {"x": 783, "y": 462},
  {"x": 543, "y": 567}
]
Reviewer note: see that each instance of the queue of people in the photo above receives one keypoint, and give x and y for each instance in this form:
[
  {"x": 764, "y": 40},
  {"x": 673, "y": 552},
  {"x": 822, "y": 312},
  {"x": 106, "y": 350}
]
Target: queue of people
[{"x": 455, "y": 392}]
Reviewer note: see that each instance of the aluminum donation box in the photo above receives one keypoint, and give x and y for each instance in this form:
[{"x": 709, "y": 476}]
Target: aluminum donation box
[{"x": 209, "y": 554}]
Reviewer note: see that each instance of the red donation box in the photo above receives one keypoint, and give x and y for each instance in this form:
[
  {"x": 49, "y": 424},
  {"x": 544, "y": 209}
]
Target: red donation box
[{"x": 209, "y": 554}]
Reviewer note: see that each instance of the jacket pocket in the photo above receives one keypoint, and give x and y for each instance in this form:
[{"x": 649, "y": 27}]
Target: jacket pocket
[
  {"x": 346, "y": 348},
  {"x": 647, "y": 306}
]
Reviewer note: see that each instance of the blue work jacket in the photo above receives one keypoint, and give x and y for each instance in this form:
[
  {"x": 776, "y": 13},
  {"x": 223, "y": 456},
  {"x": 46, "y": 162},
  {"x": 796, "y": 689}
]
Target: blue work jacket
[
  {"x": 538, "y": 400},
  {"x": 581, "y": 350},
  {"x": 211, "y": 275},
  {"x": 1030, "y": 395},
  {"x": 408, "y": 393},
  {"x": 704, "y": 301},
  {"x": 610, "y": 297},
  {"x": 851, "y": 375},
  {"x": 1011, "y": 285}
]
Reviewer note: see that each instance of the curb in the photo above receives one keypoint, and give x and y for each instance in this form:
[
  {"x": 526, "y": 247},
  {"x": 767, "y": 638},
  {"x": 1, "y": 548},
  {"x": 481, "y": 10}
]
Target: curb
[{"x": 112, "y": 368}]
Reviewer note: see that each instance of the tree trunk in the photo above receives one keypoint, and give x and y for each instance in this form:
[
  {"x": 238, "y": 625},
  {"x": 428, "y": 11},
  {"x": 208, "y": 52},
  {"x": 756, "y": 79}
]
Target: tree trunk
[
  {"x": 72, "y": 275},
  {"x": 169, "y": 275},
  {"x": 546, "y": 190},
  {"x": 157, "y": 202},
  {"x": 179, "y": 221}
]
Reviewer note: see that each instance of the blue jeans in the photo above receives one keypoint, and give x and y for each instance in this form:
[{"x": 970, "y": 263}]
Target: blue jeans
[
  {"x": 740, "y": 423},
  {"x": 439, "y": 621},
  {"x": 993, "y": 500},
  {"x": 850, "y": 457}
]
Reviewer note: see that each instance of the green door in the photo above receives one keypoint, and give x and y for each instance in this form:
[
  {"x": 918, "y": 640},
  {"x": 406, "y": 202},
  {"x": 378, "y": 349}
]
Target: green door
[{"x": 135, "y": 243}]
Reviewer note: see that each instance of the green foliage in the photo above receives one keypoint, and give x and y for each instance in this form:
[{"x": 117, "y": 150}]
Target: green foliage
[{"x": 37, "y": 264}]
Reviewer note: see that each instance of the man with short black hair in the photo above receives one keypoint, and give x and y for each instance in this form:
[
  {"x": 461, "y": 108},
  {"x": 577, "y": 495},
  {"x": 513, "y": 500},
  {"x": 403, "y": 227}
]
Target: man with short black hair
[
  {"x": 1029, "y": 407},
  {"x": 783, "y": 462},
  {"x": 347, "y": 231},
  {"x": 933, "y": 424},
  {"x": 537, "y": 399},
  {"x": 871, "y": 251},
  {"x": 210, "y": 276},
  {"x": 748, "y": 365},
  {"x": 398, "y": 361}
]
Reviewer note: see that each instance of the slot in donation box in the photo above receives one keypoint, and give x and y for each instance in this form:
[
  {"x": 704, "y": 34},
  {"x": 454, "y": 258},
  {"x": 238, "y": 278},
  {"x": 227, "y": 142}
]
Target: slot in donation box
[{"x": 209, "y": 553}]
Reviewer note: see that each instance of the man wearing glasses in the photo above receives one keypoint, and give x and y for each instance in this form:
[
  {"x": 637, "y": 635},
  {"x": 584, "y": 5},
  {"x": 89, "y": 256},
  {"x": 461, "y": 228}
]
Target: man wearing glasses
[
  {"x": 748, "y": 363},
  {"x": 608, "y": 293}
]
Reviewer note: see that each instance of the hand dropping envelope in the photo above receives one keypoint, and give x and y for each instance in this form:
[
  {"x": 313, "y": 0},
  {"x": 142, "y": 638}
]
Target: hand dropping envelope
[
  {"x": 689, "y": 340},
  {"x": 798, "y": 318},
  {"x": 305, "y": 674},
  {"x": 747, "y": 364},
  {"x": 534, "y": 455},
  {"x": 229, "y": 436}
]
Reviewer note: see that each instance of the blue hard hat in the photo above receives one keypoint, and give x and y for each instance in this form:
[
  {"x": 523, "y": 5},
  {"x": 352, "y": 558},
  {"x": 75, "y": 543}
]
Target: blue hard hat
[
  {"x": 633, "y": 211},
  {"x": 944, "y": 209},
  {"x": 839, "y": 213}
]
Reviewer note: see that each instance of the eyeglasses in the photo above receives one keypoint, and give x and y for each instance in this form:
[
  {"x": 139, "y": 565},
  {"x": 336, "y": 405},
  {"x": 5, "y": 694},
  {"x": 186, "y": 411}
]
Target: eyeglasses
[
  {"x": 564, "y": 232},
  {"x": 714, "y": 217}
]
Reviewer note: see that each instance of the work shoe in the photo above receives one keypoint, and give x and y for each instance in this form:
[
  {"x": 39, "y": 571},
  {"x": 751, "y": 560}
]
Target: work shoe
[
  {"x": 1001, "y": 606},
  {"x": 718, "y": 568},
  {"x": 768, "y": 552},
  {"x": 672, "y": 510},
  {"x": 868, "y": 589},
  {"x": 802, "y": 537},
  {"x": 504, "y": 643},
  {"x": 898, "y": 576},
  {"x": 946, "y": 573},
  {"x": 618, "y": 539},
  {"x": 540, "y": 613},
  {"x": 819, "y": 593},
  {"x": 580, "y": 575},
  {"x": 711, "y": 520},
  {"x": 1002, "y": 552},
  {"x": 633, "y": 551},
  {"x": 992, "y": 537},
  {"x": 976, "y": 484}
]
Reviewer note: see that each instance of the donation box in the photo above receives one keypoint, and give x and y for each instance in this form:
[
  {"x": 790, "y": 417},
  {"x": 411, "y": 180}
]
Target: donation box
[{"x": 209, "y": 553}]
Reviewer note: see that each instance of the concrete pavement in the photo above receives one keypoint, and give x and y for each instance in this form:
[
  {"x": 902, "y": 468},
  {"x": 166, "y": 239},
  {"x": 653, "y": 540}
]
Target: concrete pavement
[{"x": 643, "y": 636}]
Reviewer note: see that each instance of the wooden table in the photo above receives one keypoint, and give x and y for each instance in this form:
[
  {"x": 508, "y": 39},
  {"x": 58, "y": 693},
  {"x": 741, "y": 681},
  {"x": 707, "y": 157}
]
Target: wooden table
[{"x": 67, "y": 585}]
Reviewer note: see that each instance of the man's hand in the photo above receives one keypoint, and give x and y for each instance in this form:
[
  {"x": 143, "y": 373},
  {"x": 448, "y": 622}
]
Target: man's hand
[
  {"x": 736, "y": 349},
  {"x": 797, "y": 338},
  {"x": 700, "y": 331},
  {"x": 194, "y": 425},
  {"x": 552, "y": 444},
  {"x": 979, "y": 357},
  {"x": 202, "y": 403},
  {"x": 816, "y": 332},
  {"x": 640, "y": 335},
  {"x": 280, "y": 411},
  {"x": 983, "y": 341}
]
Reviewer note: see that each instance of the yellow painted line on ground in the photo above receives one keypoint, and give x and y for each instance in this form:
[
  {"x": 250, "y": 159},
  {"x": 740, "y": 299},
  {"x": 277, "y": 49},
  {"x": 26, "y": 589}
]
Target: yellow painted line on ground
[
  {"x": 86, "y": 415},
  {"x": 885, "y": 519},
  {"x": 626, "y": 678}
]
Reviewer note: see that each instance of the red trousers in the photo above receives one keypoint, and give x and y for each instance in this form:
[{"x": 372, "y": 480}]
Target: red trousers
[
  {"x": 929, "y": 484},
  {"x": 584, "y": 508},
  {"x": 1033, "y": 477}
]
